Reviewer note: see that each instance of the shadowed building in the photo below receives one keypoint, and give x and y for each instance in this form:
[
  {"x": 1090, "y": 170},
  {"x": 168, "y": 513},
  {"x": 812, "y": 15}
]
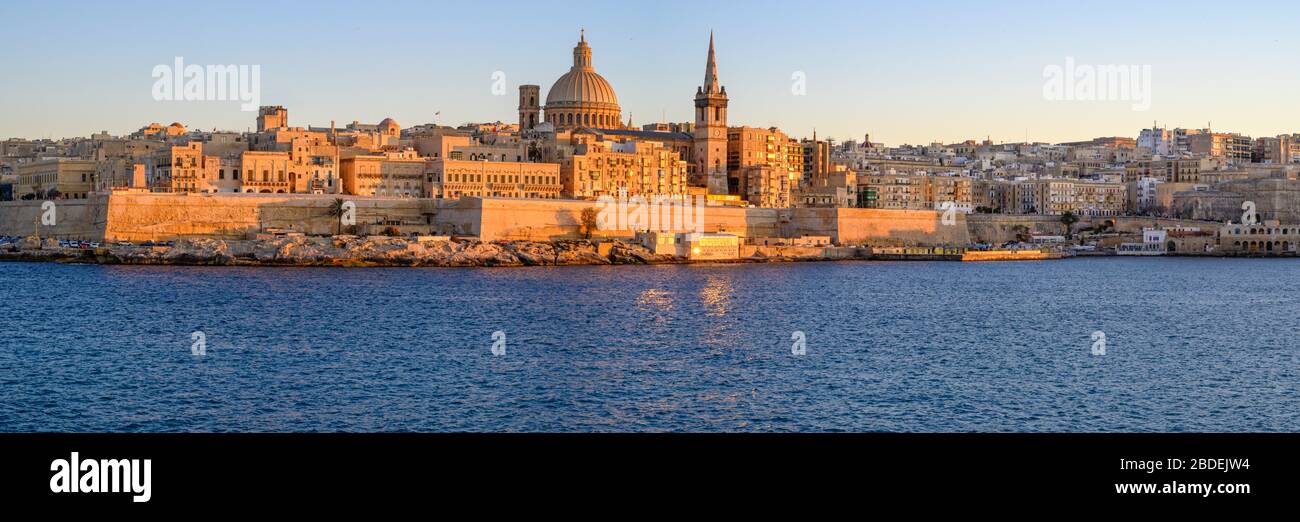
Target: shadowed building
[{"x": 528, "y": 107}]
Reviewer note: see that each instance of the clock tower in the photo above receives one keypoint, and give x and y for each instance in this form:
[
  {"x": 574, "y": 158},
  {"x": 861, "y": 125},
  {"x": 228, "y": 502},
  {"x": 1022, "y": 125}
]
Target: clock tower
[{"x": 711, "y": 128}]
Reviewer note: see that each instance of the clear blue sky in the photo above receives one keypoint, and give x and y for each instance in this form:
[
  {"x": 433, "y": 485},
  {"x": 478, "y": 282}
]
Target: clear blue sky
[{"x": 907, "y": 72}]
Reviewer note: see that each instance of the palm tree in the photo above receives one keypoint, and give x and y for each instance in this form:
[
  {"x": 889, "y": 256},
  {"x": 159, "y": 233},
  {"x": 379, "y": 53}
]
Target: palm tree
[{"x": 336, "y": 211}]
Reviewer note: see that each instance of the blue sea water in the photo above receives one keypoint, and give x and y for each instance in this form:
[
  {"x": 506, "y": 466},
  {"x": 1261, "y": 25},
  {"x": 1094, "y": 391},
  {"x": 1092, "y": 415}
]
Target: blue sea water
[{"x": 1191, "y": 344}]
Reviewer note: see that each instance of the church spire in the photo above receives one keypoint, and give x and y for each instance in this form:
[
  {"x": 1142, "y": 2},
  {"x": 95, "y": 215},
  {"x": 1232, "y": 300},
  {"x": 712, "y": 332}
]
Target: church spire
[{"x": 711, "y": 71}]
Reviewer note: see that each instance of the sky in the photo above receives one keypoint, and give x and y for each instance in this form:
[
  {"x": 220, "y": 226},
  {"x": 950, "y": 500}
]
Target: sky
[{"x": 903, "y": 72}]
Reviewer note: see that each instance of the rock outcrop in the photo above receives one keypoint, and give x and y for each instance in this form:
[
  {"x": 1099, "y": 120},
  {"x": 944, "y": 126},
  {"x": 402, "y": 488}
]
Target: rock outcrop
[{"x": 354, "y": 251}]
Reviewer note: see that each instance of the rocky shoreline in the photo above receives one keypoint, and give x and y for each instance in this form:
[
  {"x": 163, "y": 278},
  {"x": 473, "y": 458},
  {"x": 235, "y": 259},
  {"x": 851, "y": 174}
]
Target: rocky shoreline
[{"x": 355, "y": 251}]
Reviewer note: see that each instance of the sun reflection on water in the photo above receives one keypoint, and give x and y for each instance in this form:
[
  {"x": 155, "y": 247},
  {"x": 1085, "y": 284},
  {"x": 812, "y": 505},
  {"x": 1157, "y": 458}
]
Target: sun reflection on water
[
  {"x": 716, "y": 296},
  {"x": 655, "y": 299}
]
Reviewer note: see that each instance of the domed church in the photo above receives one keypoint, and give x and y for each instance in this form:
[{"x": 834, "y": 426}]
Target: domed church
[{"x": 582, "y": 97}]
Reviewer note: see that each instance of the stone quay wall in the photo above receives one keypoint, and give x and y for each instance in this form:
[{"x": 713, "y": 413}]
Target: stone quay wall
[
  {"x": 1000, "y": 228},
  {"x": 136, "y": 216},
  {"x": 73, "y": 218}
]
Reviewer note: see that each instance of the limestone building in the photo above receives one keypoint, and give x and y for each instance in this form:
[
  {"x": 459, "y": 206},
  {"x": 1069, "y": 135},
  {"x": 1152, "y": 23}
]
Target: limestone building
[
  {"x": 837, "y": 188},
  {"x": 186, "y": 168},
  {"x": 1269, "y": 238},
  {"x": 1058, "y": 196},
  {"x": 613, "y": 168},
  {"x": 1282, "y": 149},
  {"x": 271, "y": 117},
  {"x": 454, "y": 179},
  {"x": 1169, "y": 171},
  {"x": 766, "y": 187},
  {"x": 1234, "y": 147},
  {"x": 908, "y": 191},
  {"x": 816, "y": 158},
  {"x": 751, "y": 146},
  {"x": 265, "y": 172},
  {"x": 391, "y": 174},
  {"x": 55, "y": 178},
  {"x": 157, "y": 131}
]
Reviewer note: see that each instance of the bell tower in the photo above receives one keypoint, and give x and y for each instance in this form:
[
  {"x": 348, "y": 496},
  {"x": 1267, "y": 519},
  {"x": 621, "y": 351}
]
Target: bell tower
[
  {"x": 711, "y": 128},
  {"x": 528, "y": 106}
]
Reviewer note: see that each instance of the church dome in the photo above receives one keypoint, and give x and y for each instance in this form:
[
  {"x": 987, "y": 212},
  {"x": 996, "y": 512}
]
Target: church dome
[
  {"x": 582, "y": 97},
  {"x": 581, "y": 87}
]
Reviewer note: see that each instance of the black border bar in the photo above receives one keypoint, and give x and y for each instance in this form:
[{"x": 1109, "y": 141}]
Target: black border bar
[{"x": 317, "y": 470}]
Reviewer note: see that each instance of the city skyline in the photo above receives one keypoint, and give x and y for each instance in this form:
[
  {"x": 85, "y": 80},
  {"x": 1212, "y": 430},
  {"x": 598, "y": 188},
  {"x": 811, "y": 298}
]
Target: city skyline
[{"x": 892, "y": 84}]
